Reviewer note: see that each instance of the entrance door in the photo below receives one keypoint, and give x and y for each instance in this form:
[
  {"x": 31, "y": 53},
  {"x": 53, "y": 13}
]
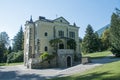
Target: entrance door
[{"x": 68, "y": 61}]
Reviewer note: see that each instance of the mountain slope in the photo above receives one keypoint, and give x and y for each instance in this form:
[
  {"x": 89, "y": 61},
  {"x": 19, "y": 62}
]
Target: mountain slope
[{"x": 101, "y": 30}]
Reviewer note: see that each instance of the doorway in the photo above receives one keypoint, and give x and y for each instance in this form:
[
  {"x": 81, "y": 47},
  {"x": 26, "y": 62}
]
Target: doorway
[{"x": 69, "y": 61}]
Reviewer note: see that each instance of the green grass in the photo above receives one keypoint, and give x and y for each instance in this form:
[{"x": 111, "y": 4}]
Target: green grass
[
  {"x": 10, "y": 64},
  {"x": 98, "y": 54},
  {"x": 110, "y": 71}
]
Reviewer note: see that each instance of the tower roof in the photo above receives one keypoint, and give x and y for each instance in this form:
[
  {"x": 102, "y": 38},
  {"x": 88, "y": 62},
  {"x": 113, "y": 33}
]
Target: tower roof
[{"x": 31, "y": 20}]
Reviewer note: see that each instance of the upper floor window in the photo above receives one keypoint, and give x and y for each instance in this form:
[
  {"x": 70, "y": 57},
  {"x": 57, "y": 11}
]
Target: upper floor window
[
  {"x": 46, "y": 34},
  {"x": 60, "y": 20},
  {"x": 72, "y": 34},
  {"x": 30, "y": 34},
  {"x": 46, "y": 48},
  {"x": 61, "y": 33}
]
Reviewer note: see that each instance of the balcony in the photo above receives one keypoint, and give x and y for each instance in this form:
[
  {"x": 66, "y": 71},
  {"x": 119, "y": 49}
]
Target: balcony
[{"x": 65, "y": 51}]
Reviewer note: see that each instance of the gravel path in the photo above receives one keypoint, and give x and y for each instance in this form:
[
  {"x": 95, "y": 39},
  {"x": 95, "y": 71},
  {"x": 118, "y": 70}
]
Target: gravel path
[{"x": 19, "y": 72}]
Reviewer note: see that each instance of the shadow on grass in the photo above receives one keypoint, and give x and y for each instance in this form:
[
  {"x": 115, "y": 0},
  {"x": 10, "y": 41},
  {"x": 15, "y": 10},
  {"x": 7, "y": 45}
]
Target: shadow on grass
[
  {"x": 13, "y": 75},
  {"x": 105, "y": 60},
  {"x": 91, "y": 76}
]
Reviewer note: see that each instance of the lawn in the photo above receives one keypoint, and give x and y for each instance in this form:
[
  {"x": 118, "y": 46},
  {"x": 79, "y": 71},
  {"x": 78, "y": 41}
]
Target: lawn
[
  {"x": 110, "y": 71},
  {"x": 98, "y": 54},
  {"x": 10, "y": 64}
]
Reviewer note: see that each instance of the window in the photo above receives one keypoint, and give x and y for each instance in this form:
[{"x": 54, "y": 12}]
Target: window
[
  {"x": 35, "y": 31},
  {"x": 38, "y": 44},
  {"x": 61, "y": 46},
  {"x": 72, "y": 34},
  {"x": 48, "y": 62},
  {"x": 46, "y": 49},
  {"x": 30, "y": 34},
  {"x": 46, "y": 34},
  {"x": 61, "y": 33},
  {"x": 61, "y": 21},
  {"x": 30, "y": 51}
]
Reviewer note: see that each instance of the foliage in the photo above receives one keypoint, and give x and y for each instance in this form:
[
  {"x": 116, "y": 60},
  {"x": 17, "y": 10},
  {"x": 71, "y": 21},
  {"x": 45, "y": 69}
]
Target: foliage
[
  {"x": 46, "y": 57},
  {"x": 101, "y": 30},
  {"x": 9, "y": 49},
  {"x": 98, "y": 54},
  {"x": 4, "y": 43},
  {"x": 4, "y": 38},
  {"x": 54, "y": 43},
  {"x": 15, "y": 57},
  {"x": 105, "y": 39},
  {"x": 80, "y": 40},
  {"x": 105, "y": 72},
  {"x": 71, "y": 44},
  {"x": 10, "y": 64},
  {"x": 18, "y": 41},
  {"x": 115, "y": 33},
  {"x": 91, "y": 41},
  {"x": 97, "y": 43}
]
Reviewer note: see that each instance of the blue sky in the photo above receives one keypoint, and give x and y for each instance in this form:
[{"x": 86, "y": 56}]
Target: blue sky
[{"x": 14, "y": 13}]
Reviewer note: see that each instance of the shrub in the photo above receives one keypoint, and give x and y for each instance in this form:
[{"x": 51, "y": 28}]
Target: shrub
[
  {"x": 46, "y": 57},
  {"x": 15, "y": 57}
]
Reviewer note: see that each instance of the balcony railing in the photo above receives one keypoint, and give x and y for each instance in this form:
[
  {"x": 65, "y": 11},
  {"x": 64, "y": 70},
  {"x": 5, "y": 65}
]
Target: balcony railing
[{"x": 65, "y": 51}]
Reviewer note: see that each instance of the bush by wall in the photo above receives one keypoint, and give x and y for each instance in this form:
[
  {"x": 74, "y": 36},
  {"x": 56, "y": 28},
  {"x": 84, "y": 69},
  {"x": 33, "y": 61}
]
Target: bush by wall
[{"x": 15, "y": 57}]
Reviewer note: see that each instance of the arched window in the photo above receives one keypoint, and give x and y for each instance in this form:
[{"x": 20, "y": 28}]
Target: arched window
[
  {"x": 46, "y": 34},
  {"x": 46, "y": 48},
  {"x": 61, "y": 46}
]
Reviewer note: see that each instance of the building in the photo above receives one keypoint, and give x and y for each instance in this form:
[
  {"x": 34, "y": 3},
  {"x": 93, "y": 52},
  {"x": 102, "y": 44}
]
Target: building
[{"x": 37, "y": 37}]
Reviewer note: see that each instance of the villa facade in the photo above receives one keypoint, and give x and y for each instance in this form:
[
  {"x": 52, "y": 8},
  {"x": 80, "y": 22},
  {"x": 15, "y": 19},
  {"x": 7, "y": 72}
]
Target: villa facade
[{"x": 37, "y": 37}]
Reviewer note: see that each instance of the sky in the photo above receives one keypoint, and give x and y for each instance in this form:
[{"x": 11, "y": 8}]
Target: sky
[{"x": 97, "y": 13}]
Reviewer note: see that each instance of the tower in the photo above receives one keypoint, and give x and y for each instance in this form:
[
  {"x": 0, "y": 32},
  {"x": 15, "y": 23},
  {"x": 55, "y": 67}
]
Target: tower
[{"x": 29, "y": 41}]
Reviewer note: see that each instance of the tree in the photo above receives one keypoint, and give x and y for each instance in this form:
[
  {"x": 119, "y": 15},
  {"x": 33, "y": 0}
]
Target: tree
[
  {"x": 18, "y": 41},
  {"x": 4, "y": 44},
  {"x": 105, "y": 39},
  {"x": 115, "y": 33},
  {"x": 4, "y": 38},
  {"x": 9, "y": 50},
  {"x": 97, "y": 42},
  {"x": 15, "y": 57},
  {"x": 54, "y": 43},
  {"x": 71, "y": 44},
  {"x": 90, "y": 42}
]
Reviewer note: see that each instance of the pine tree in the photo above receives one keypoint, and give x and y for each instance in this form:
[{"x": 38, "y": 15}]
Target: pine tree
[
  {"x": 4, "y": 44},
  {"x": 115, "y": 33},
  {"x": 18, "y": 41},
  {"x": 90, "y": 42}
]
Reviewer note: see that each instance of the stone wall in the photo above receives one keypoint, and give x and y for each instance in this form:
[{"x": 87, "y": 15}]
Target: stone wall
[
  {"x": 37, "y": 64},
  {"x": 63, "y": 54},
  {"x": 85, "y": 60}
]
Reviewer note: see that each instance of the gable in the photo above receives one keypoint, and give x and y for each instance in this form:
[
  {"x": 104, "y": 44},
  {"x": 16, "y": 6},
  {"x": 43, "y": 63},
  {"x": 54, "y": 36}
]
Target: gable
[{"x": 61, "y": 20}]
